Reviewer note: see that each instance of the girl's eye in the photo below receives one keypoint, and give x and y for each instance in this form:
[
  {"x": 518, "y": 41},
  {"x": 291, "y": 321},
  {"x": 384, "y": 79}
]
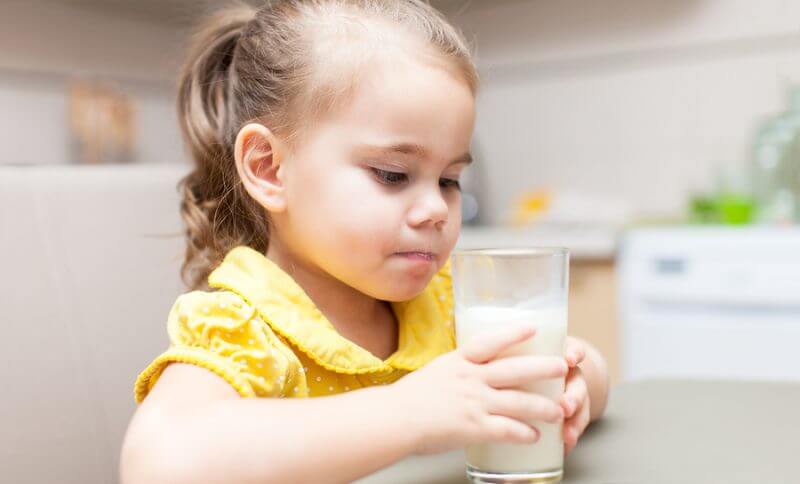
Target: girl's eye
[
  {"x": 449, "y": 183},
  {"x": 389, "y": 177}
]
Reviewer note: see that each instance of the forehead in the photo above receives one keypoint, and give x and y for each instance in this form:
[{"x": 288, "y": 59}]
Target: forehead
[{"x": 407, "y": 102}]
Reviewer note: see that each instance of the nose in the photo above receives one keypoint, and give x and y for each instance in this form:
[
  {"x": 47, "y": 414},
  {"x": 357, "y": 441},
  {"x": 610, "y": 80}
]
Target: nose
[{"x": 430, "y": 208}]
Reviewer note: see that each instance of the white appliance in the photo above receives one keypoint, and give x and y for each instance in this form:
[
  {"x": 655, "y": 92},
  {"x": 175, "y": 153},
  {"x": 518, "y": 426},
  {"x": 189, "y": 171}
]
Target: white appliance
[{"x": 710, "y": 303}]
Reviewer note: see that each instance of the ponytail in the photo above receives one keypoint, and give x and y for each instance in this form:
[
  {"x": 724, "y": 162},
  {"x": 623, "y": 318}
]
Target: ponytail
[{"x": 213, "y": 200}]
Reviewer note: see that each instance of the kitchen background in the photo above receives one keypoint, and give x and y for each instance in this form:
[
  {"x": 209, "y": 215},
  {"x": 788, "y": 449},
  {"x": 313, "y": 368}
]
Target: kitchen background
[
  {"x": 655, "y": 139},
  {"x": 634, "y": 103}
]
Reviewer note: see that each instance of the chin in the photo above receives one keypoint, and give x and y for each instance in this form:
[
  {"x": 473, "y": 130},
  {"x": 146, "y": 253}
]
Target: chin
[
  {"x": 398, "y": 283},
  {"x": 398, "y": 293}
]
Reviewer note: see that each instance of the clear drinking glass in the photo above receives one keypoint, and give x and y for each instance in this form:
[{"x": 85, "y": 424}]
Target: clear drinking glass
[{"x": 496, "y": 288}]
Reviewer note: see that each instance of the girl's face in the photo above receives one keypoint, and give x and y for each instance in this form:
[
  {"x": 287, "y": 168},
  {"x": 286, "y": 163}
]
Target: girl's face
[{"x": 372, "y": 196}]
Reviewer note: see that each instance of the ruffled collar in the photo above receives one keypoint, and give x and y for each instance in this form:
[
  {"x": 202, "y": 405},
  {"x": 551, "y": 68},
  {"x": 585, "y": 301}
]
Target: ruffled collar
[{"x": 425, "y": 325}]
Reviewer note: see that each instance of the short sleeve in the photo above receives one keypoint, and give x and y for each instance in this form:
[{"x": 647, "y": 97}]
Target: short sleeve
[{"x": 219, "y": 331}]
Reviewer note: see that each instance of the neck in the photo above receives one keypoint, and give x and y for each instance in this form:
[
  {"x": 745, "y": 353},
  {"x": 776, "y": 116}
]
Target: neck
[{"x": 362, "y": 319}]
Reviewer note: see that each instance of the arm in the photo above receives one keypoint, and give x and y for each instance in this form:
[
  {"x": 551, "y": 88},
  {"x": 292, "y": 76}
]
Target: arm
[
  {"x": 193, "y": 427},
  {"x": 172, "y": 439}
]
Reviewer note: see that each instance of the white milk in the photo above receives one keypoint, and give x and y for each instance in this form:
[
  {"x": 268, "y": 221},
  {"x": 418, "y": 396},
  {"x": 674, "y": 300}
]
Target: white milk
[{"x": 548, "y": 453}]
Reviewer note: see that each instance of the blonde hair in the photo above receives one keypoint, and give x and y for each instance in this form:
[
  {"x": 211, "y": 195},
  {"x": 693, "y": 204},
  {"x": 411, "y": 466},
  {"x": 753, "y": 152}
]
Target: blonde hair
[{"x": 277, "y": 65}]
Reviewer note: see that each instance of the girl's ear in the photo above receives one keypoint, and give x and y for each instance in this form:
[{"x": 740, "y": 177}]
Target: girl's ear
[{"x": 259, "y": 160}]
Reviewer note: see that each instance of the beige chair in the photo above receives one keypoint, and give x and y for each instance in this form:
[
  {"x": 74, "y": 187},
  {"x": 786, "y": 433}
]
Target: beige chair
[
  {"x": 90, "y": 264},
  {"x": 90, "y": 259}
]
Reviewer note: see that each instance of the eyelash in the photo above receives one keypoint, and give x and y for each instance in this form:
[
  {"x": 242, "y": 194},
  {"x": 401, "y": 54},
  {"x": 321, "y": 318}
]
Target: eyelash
[{"x": 395, "y": 178}]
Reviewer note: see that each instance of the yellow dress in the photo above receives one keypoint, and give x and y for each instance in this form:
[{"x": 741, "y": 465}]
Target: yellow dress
[{"x": 257, "y": 329}]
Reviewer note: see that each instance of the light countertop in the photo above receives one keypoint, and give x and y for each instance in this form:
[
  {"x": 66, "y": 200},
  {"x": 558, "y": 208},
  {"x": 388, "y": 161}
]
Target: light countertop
[{"x": 583, "y": 241}]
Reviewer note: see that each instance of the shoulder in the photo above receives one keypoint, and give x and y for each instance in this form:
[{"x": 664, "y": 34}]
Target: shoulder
[
  {"x": 224, "y": 322},
  {"x": 199, "y": 310},
  {"x": 220, "y": 331}
]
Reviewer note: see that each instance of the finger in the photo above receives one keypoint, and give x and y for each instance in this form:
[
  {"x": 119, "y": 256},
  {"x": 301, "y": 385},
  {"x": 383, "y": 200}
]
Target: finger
[
  {"x": 524, "y": 406},
  {"x": 570, "y": 440},
  {"x": 516, "y": 371},
  {"x": 584, "y": 417},
  {"x": 575, "y": 351},
  {"x": 574, "y": 428},
  {"x": 575, "y": 392},
  {"x": 487, "y": 346},
  {"x": 500, "y": 429},
  {"x": 572, "y": 403}
]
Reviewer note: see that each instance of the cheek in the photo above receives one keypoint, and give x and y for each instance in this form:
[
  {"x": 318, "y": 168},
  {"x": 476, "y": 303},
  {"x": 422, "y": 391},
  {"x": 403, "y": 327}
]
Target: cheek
[{"x": 347, "y": 210}]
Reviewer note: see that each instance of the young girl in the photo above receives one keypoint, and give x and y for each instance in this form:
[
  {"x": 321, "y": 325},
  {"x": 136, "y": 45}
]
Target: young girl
[{"x": 329, "y": 137}]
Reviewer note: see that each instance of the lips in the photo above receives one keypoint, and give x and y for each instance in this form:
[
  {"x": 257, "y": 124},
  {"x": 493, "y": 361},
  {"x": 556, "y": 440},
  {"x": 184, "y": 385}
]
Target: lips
[{"x": 418, "y": 254}]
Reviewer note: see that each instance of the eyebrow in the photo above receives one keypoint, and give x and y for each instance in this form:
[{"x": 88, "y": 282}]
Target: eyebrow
[{"x": 414, "y": 149}]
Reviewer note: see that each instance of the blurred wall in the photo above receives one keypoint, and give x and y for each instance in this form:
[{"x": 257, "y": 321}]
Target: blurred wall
[
  {"x": 44, "y": 43},
  {"x": 640, "y": 100}
]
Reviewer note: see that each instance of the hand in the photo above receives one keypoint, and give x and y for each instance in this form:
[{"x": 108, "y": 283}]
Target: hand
[
  {"x": 575, "y": 401},
  {"x": 470, "y": 396}
]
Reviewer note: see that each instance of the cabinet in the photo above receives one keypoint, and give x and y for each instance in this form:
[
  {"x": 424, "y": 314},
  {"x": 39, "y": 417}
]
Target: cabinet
[{"x": 592, "y": 308}]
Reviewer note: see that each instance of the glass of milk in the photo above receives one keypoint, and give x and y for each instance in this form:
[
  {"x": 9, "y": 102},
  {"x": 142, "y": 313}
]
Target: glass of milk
[{"x": 496, "y": 288}]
